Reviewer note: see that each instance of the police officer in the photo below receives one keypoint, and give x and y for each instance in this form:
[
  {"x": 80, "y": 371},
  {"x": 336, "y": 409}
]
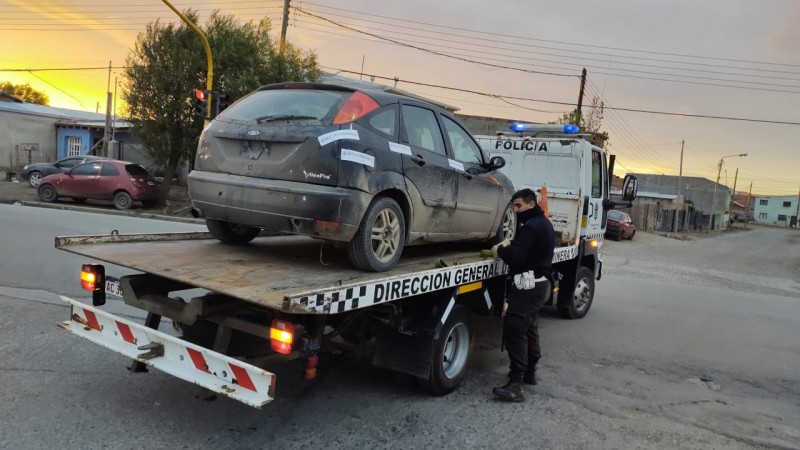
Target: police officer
[{"x": 529, "y": 257}]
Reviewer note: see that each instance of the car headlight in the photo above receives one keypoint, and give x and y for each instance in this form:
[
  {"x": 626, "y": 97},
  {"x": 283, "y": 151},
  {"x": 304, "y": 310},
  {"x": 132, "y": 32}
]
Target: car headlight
[{"x": 25, "y": 168}]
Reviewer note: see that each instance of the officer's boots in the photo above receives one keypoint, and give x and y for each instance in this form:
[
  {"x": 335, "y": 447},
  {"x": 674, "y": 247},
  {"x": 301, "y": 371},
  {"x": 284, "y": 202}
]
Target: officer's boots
[
  {"x": 512, "y": 391},
  {"x": 530, "y": 374}
]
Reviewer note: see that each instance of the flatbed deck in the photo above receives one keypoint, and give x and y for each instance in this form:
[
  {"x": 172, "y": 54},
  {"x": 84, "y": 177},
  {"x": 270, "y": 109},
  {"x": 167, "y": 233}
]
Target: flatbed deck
[{"x": 289, "y": 273}]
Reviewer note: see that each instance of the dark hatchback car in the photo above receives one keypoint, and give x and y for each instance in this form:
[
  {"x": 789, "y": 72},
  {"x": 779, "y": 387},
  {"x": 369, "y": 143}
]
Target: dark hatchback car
[
  {"x": 619, "y": 225},
  {"x": 372, "y": 169},
  {"x": 34, "y": 173},
  {"x": 119, "y": 181}
]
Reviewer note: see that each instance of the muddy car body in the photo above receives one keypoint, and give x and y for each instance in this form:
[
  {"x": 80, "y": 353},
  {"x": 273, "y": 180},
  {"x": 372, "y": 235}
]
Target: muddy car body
[{"x": 372, "y": 169}]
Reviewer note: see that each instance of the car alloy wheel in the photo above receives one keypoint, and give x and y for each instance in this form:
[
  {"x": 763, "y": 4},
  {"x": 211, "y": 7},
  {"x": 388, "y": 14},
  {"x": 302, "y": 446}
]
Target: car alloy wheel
[
  {"x": 379, "y": 241},
  {"x": 34, "y": 179}
]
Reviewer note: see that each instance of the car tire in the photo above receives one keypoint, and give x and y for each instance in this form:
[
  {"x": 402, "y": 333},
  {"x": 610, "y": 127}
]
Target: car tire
[
  {"x": 231, "y": 233},
  {"x": 618, "y": 237},
  {"x": 380, "y": 252},
  {"x": 78, "y": 200},
  {"x": 34, "y": 179},
  {"x": 630, "y": 238},
  {"x": 508, "y": 226},
  {"x": 582, "y": 296},
  {"x": 47, "y": 193},
  {"x": 123, "y": 200},
  {"x": 451, "y": 353}
]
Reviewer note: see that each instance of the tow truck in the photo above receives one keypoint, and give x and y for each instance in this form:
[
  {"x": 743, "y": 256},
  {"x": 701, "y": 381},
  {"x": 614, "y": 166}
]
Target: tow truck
[{"x": 292, "y": 297}]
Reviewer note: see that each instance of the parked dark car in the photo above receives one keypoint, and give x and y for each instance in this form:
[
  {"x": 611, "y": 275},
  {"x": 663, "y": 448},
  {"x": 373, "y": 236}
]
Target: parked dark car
[
  {"x": 34, "y": 173},
  {"x": 619, "y": 225},
  {"x": 119, "y": 181},
  {"x": 372, "y": 169}
]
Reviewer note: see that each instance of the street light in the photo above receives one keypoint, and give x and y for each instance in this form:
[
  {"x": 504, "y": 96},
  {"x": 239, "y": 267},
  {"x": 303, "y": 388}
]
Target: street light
[{"x": 714, "y": 196}]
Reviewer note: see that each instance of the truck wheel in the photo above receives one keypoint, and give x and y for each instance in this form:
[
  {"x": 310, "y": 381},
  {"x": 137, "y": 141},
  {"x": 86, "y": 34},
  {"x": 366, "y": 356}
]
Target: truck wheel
[
  {"x": 379, "y": 241},
  {"x": 582, "y": 296},
  {"x": 231, "y": 233},
  {"x": 508, "y": 226},
  {"x": 451, "y": 353},
  {"x": 48, "y": 193}
]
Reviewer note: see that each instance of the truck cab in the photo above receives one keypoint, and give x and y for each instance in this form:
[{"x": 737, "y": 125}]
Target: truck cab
[{"x": 572, "y": 179}]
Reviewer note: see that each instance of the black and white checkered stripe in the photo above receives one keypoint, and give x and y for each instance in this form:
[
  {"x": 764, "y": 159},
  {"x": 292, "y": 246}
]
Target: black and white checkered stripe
[{"x": 336, "y": 302}]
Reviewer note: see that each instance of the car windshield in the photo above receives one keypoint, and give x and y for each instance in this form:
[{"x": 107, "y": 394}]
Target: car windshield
[
  {"x": 616, "y": 215},
  {"x": 287, "y": 104}
]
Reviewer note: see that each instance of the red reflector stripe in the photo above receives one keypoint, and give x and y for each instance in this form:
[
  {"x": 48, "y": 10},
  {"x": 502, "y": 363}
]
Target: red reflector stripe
[
  {"x": 125, "y": 331},
  {"x": 198, "y": 360},
  {"x": 91, "y": 320},
  {"x": 242, "y": 378}
]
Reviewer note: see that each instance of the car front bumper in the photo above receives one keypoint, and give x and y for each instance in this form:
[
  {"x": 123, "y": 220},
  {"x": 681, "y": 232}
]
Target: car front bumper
[{"x": 299, "y": 208}]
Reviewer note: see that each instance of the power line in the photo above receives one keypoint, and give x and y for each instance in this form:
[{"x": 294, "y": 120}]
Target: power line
[
  {"x": 431, "y": 51},
  {"x": 564, "y": 42},
  {"x": 440, "y": 38},
  {"x": 511, "y": 97}
]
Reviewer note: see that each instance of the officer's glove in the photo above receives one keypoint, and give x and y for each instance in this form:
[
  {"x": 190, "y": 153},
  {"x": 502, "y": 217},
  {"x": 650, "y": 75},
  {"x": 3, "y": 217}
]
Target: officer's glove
[{"x": 505, "y": 243}]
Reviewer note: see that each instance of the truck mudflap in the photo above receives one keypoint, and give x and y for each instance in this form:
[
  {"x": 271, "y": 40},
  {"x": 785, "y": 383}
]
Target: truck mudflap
[{"x": 211, "y": 370}]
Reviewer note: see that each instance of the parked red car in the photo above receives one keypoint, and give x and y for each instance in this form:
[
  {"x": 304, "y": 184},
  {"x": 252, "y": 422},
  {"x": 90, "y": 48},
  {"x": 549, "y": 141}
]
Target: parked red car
[
  {"x": 120, "y": 181},
  {"x": 619, "y": 225}
]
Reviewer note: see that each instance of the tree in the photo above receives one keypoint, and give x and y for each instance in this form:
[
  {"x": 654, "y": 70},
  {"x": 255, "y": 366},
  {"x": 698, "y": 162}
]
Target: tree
[
  {"x": 589, "y": 122},
  {"x": 168, "y": 64},
  {"x": 25, "y": 93}
]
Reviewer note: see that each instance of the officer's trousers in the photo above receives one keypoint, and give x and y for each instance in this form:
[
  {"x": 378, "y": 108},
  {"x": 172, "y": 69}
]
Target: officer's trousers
[{"x": 521, "y": 327}]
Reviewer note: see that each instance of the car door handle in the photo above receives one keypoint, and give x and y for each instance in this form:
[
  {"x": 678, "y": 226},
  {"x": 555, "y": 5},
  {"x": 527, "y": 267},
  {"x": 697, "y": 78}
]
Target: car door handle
[{"x": 419, "y": 160}]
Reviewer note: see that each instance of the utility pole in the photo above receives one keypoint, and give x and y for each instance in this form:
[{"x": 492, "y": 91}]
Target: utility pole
[
  {"x": 797, "y": 213},
  {"x": 580, "y": 97},
  {"x": 733, "y": 195},
  {"x": 678, "y": 198},
  {"x": 747, "y": 210},
  {"x": 714, "y": 196},
  {"x": 285, "y": 22},
  {"x": 107, "y": 130}
]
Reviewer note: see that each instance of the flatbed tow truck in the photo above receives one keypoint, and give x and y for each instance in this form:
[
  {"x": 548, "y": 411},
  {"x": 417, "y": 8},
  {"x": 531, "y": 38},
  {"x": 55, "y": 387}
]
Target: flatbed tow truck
[{"x": 291, "y": 297}]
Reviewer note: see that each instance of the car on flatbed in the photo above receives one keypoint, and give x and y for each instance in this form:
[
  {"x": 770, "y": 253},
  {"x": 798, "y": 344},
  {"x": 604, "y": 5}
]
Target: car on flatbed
[{"x": 369, "y": 170}]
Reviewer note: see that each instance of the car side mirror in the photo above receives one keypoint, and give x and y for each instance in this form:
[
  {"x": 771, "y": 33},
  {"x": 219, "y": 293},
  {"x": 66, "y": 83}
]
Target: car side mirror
[
  {"x": 497, "y": 162},
  {"x": 630, "y": 187}
]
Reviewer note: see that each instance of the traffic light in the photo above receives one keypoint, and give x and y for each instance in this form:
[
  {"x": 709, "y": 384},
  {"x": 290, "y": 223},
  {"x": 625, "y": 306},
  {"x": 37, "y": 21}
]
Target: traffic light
[
  {"x": 221, "y": 100},
  {"x": 201, "y": 103}
]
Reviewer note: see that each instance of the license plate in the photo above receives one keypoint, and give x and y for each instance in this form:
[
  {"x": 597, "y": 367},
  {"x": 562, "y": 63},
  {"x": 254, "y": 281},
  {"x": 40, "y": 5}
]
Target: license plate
[{"x": 113, "y": 287}]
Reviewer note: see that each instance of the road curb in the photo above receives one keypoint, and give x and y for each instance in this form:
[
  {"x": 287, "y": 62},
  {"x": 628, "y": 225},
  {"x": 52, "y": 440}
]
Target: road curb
[{"x": 135, "y": 213}]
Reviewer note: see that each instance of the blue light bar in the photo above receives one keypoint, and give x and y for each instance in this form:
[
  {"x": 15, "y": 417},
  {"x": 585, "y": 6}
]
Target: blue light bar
[{"x": 519, "y": 127}]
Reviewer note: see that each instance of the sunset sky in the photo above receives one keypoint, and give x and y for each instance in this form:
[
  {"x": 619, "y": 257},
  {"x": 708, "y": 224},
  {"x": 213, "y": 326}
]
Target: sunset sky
[{"x": 724, "y": 58}]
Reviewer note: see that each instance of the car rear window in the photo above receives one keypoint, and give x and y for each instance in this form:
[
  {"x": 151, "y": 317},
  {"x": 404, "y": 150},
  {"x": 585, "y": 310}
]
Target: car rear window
[
  {"x": 304, "y": 104},
  {"x": 136, "y": 170}
]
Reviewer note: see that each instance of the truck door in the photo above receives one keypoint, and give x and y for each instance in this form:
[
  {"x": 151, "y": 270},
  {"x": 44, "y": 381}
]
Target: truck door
[
  {"x": 433, "y": 180},
  {"x": 596, "y": 217},
  {"x": 478, "y": 191}
]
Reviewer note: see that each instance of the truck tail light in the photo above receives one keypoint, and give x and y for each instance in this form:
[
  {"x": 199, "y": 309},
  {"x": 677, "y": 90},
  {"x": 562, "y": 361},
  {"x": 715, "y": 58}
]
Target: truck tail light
[
  {"x": 355, "y": 107},
  {"x": 92, "y": 277},
  {"x": 281, "y": 336}
]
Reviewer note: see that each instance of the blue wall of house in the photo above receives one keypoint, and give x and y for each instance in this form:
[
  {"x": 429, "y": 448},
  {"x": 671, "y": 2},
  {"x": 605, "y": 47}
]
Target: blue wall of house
[
  {"x": 776, "y": 210},
  {"x": 63, "y": 137}
]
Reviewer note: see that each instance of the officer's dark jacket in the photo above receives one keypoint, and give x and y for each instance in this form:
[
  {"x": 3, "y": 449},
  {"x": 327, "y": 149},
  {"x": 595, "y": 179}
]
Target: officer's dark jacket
[{"x": 532, "y": 247}]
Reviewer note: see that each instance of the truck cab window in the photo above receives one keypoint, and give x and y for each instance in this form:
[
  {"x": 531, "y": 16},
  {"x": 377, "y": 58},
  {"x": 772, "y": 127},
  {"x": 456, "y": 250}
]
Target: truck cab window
[{"x": 597, "y": 175}]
